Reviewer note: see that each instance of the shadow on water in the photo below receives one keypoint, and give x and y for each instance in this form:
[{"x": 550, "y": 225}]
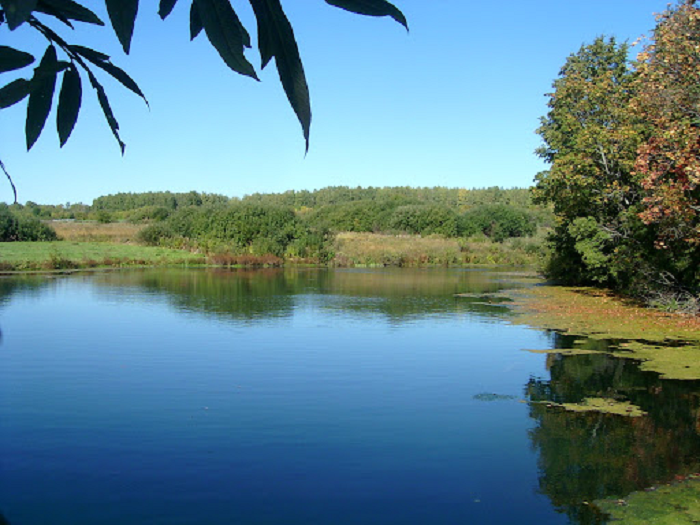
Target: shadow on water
[
  {"x": 257, "y": 295},
  {"x": 588, "y": 456}
]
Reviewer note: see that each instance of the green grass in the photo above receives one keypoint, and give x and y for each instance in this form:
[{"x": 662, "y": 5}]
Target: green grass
[{"x": 66, "y": 254}]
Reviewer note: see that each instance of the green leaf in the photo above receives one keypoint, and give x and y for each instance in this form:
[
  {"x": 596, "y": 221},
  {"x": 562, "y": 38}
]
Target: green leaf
[
  {"x": 11, "y": 59},
  {"x": 70, "y": 10},
  {"x": 371, "y": 8},
  {"x": 122, "y": 14},
  {"x": 41, "y": 96},
  {"x": 14, "y": 92},
  {"x": 226, "y": 33},
  {"x": 195, "y": 21},
  {"x": 102, "y": 61},
  {"x": 165, "y": 8},
  {"x": 17, "y": 11},
  {"x": 276, "y": 39},
  {"x": 56, "y": 14},
  {"x": 90, "y": 54},
  {"x": 69, "y": 101},
  {"x": 106, "y": 109}
]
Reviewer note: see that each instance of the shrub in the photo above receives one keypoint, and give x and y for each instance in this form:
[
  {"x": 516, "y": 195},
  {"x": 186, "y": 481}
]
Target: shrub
[
  {"x": 16, "y": 227},
  {"x": 498, "y": 222},
  {"x": 154, "y": 234}
]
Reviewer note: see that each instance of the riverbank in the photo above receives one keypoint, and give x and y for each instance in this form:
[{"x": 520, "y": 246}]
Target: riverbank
[
  {"x": 67, "y": 255},
  {"x": 89, "y": 245}
]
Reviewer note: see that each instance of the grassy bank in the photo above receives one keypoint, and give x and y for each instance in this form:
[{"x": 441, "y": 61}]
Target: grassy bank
[
  {"x": 94, "y": 244},
  {"x": 60, "y": 255}
]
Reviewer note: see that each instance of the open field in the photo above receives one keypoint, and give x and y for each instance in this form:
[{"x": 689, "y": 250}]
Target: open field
[
  {"x": 122, "y": 232},
  {"x": 94, "y": 244},
  {"x": 17, "y": 256}
]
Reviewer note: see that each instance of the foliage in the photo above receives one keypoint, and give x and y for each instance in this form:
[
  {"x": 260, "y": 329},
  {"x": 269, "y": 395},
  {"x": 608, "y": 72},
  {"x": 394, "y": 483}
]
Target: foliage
[
  {"x": 424, "y": 220},
  {"x": 241, "y": 227},
  {"x": 216, "y": 18},
  {"x": 155, "y": 199},
  {"x": 20, "y": 227},
  {"x": 623, "y": 144},
  {"x": 669, "y": 160},
  {"x": 495, "y": 212},
  {"x": 590, "y": 139},
  {"x": 498, "y": 222}
]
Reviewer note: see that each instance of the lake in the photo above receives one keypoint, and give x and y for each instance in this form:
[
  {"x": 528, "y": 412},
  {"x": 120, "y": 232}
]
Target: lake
[{"x": 149, "y": 397}]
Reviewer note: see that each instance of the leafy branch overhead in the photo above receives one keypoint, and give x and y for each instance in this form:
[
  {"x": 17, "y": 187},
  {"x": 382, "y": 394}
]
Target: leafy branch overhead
[{"x": 70, "y": 64}]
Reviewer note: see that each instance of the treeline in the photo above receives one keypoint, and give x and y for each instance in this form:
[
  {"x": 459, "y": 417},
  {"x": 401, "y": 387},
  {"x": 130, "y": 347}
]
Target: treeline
[
  {"x": 302, "y": 224},
  {"x": 623, "y": 141}
]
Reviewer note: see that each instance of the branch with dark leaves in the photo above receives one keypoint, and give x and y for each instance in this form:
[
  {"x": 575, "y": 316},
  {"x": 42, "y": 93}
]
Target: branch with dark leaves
[{"x": 217, "y": 18}]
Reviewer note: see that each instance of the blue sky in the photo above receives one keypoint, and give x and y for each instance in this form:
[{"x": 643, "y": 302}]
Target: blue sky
[{"x": 453, "y": 103}]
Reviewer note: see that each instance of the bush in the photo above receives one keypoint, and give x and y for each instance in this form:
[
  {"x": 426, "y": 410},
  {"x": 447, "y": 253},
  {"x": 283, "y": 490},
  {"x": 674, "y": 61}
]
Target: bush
[
  {"x": 15, "y": 227},
  {"x": 424, "y": 220},
  {"x": 154, "y": 234},
  {"x": 499, "y": 222}
]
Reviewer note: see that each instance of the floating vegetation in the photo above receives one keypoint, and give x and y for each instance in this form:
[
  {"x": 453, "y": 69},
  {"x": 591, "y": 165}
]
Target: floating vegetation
[
  {"x": 600, "y": 404},
  {"x": 494, "y": 298},
  {"x": 488, "y": 396},
  {"x": 565, "y": 351},
  {"x": 665, "y": 343},
  {"x": 676, "y": 504}
]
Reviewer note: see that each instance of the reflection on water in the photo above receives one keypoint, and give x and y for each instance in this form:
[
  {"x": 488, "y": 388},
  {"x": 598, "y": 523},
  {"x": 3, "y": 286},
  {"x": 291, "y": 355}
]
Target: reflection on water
[
  {"x": 257, "y": 295},
  {"x": 307, "y": 396},
  {"x": 588, "y": 456}
]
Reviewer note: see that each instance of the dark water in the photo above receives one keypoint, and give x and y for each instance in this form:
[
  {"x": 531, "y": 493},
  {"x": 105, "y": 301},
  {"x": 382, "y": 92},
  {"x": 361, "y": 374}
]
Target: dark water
[{"x": 312, "y": 397}]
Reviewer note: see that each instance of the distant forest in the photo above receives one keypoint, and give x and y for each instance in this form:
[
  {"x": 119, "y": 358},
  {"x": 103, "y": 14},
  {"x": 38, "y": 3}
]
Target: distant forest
[{"x": 299, "y": 223}]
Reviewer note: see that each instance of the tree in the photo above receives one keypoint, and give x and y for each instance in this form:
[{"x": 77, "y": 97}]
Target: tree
[
  {"x": 217, "y": 18},
  {"x": 669, "y": 160},
  {"x": 590, "y": 139}
]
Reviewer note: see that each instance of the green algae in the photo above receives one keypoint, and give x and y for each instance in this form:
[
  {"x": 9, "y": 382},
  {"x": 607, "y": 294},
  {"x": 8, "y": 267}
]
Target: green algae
[
  {"x": 566, "y": 351},
  {"x": 605, "y": 405},
  {"x": 488, "y": 396},
  {"x": 670, "y": 361},
  {"x": 675, "y": 504},
  {"x": 664, "y": 343}
]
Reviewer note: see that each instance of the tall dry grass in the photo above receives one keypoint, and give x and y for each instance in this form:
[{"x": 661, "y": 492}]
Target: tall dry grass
[
  {"x": 79, "y": 231},
  {"x": 372, "y": 249}
]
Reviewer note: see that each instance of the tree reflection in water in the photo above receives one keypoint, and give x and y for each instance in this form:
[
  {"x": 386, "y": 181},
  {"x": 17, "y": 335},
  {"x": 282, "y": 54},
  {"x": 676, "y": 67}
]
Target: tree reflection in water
[{"x": 588, "y": 456}]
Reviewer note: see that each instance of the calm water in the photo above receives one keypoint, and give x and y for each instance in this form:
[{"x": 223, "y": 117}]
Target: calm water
[{"x": 311, "y": 397}]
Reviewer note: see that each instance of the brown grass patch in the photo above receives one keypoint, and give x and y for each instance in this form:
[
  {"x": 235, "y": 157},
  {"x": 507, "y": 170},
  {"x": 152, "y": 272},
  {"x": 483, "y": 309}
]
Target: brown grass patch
[{"x": 79, "y": 231}]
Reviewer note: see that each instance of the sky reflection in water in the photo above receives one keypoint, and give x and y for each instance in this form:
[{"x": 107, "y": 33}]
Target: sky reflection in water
[{"x": 296, "y": 397}]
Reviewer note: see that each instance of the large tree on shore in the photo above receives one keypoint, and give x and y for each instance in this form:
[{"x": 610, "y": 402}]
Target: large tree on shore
[
  {"x": 590, "y": 138},
  {"x": 668, "y": 96},
  {"x": 623, "y": 140}
]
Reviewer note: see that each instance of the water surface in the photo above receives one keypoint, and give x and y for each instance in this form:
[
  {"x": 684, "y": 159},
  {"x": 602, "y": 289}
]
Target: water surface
[{"x": 314, "y": 397}]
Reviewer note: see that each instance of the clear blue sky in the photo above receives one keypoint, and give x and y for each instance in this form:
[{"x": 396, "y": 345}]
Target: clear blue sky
[{"x": 453, "y": 103}]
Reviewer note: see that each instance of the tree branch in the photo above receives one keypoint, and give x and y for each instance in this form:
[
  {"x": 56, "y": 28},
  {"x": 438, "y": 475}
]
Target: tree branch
[{"x": 14, "y": 190}]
